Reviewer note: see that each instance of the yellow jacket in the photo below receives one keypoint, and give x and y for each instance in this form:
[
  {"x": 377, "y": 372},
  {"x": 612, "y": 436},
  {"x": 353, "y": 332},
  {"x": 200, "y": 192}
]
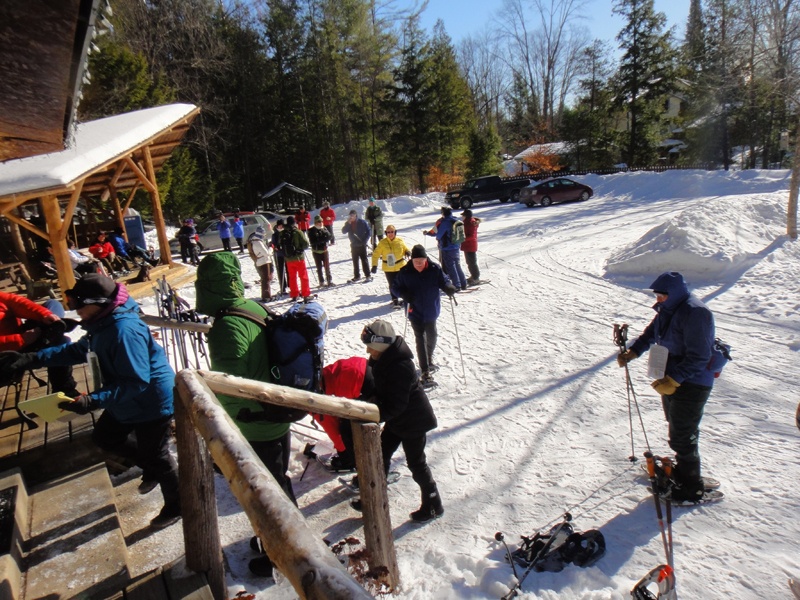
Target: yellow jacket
[{"x": 393, "y": 252}]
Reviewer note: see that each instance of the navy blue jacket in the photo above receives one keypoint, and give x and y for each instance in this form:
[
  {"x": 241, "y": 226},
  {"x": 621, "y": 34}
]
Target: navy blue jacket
[
  {"x": 685, "y": 327},
  {"x": 421, "y": 290},
  {"x": 137, "y": 379},
  {"x": 358, "y": 233}
]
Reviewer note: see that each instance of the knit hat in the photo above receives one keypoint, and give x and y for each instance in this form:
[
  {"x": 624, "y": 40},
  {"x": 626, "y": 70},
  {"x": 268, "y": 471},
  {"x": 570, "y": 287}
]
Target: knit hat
[
  {"x": 379, "y": 335},
  {"x": 279, "y": 222},
  {"x": 290, "y": 221},
  {"x": 92, "y": 288},
  {"x": 371, "y": 200},
  {"x": 317, "y": 219},
  {"x": 467, "y": 213},
  {"x": 418, "y": 251}
]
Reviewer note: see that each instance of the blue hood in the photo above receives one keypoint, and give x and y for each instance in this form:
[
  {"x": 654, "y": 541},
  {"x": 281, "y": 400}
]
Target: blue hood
[{"x": 674, "y": 286}]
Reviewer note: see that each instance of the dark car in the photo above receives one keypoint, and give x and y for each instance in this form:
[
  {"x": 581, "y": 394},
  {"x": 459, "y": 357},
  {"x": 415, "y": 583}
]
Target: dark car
[
  {"x": 482, "y": 189},
  {"x": 560, "y": 189}
]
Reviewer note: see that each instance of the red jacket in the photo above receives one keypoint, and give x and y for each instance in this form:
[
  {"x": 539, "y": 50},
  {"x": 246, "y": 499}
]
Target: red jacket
[
  {"x": 343, "y": 378},
  {"x": 328, "y": 216},
  {"x": 13, "y": 309},
  {"x": 101, "y": 250},
  {"x": 303, "y": 219},
  {"x": 471, "y": 232}
]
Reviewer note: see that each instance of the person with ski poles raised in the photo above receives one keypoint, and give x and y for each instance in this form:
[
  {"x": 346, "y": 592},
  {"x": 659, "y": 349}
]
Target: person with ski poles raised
[
  {"x": 419, "y": 284},
  {"x": 680, "y": 339},
  {"x": 392, "y": 250},
  {"x": 405, "y": 410}
]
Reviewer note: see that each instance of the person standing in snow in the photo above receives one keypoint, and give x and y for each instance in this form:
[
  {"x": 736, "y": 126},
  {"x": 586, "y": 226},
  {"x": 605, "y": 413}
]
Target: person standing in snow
[
  {"x": 404, "y": 409},
  {"x": 237, "y": 346},
  {"x": 238, "y": 232},
  {"x": 224, "y": 229},
  {"x": 449, "y": 251},
  {"x": 294, "y": 244},
  {"x": 261, "y": 253},
  {"x": 318, "y": 238},
  {"x": 419, "y": 284},
  {"x": 393, "y": 251},
  {"x": 280, "y": 257},
  {"x": 470, "y": 246},
  {"x": 358, "y": 232},
  {"x": 374, "y": 215},
  {"x": 684, "y": 328},
  {"x": 328, "y": 217},
  {"x": 303, "y": 219}
]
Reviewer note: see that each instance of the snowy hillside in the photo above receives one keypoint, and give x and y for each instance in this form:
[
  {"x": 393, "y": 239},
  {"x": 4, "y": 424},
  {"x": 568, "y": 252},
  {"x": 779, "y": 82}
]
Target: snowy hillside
[{"x": 540, "y": 424}]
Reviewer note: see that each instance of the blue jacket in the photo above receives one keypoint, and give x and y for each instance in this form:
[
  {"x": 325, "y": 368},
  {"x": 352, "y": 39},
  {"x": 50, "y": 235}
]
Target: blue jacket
[
  {"x": 118, "y": 242},
  {"x": 359, "y": 233},
  {"x": 224, "y": 229},
  {"x": 421, "y": 290},
  {"x": 238, "y": 229},
  {"x": 444, "y": 231},
  {"x": 685, "y": 327},
  {"x": 137, "y": 379}
]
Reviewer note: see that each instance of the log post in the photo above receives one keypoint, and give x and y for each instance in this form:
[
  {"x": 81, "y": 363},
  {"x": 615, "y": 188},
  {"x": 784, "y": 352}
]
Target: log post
[
  {"x": 381, "y": 555},
  {"x": 297, "y": 551},
  {"x": 198, "y": 502}
]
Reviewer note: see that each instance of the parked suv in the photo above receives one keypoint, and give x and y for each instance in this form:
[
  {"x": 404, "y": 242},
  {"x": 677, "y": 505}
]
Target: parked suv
[
  {"x": 209, "y": 235},
  {"x": 482, "y": 189}
]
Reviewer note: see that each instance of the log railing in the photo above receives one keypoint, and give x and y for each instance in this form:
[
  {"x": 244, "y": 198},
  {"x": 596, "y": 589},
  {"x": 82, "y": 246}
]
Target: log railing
[{"x": 205, "y": 431}]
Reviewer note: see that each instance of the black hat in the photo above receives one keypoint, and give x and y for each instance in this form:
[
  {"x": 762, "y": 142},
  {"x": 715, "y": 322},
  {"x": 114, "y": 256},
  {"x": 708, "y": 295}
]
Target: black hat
[
  {"x": 418, "y": 251},
  {"x": 290, "y": 220},
  {"x": 279, "y": 222},
  {"x": 92, "y": 288},
  {"x": 466, "y": 213},
  {"x": 353, "y": 212}
]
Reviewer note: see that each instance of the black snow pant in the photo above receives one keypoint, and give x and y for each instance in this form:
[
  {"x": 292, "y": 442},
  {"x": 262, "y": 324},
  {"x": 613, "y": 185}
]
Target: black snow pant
[
  {"x": 472, "y": 265},
  {"x": 275, "y": 456},
  {"x": 359, "y": 254},
  {"x": 414, "y": 448},
  {"x": 425, "y": 335},
  {"x": 683, "y": 411}
]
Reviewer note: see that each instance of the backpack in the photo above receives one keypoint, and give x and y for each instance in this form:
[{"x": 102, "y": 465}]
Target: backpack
[
  {"x": 457, "y": 235},
  {"x": 295, "y": 344},
  {"x": 288, "y": 245},
  {"x": 720, "y": 355}
]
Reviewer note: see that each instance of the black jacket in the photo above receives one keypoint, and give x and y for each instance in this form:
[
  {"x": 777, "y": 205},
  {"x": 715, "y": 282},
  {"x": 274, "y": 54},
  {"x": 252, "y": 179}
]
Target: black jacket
[{"x": 403, "y": 404}]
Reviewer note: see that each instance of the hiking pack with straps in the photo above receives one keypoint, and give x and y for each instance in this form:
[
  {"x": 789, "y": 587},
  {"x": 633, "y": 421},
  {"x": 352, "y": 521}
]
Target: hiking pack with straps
[
  {"x": 720, "y": 355},
  {"x": 457, "y": 234},
  {"x": 287, "y": 243},
  {"x": 295, "y": 344}
]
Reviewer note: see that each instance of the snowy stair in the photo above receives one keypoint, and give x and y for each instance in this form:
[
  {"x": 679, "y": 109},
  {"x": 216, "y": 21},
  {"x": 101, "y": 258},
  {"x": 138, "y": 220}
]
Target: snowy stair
[{"x": 66, "y": 535}]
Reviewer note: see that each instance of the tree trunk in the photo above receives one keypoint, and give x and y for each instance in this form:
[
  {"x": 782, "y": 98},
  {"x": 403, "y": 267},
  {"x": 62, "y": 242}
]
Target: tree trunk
[{"x": 791, "y": 212}]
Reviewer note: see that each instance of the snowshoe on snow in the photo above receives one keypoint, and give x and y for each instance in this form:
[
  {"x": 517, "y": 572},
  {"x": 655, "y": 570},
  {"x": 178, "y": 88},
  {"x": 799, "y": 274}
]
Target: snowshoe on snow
[
  {"x": 335, "y": 463},
  {"x": 426, "y": 380},
  {"x": 709, "y": 483},
  {"x": 351, "y": 483},
  {"x": 661, "y": 580},
  {"x": 708, "y": 497}
]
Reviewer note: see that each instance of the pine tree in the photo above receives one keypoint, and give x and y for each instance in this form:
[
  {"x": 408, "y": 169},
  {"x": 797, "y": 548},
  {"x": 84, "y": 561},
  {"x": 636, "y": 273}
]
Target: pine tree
[{"x": 645, "y": 73}]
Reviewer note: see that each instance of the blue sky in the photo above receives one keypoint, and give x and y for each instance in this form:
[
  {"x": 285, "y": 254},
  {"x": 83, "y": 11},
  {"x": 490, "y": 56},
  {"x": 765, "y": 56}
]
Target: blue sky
[{"x": 465, "y": 17}]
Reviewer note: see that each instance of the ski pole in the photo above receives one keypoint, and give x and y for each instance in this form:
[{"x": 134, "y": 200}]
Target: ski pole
[
  {"x": 667, "y": 464},
  {"x": 621, "y": 340},
  {"x": 513, "y": 592},
  {"x": 501, "y": 538},
  {"x": 651, "y": 471},
  {"x": 458, "y": 340},
  {"x": 308, "y": 263},
  {"x": 405, "y": 310}
]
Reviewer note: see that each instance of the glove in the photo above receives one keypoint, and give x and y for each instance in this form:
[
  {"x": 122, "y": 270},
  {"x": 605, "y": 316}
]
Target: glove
[
  {"x": 374, "y": 269},
  {"x": 450, "y": 289},
  {"x": 13, "y": 362},
  {"x": 81, "y": 405},
  {"x": 665, "y": 386},
  {"x": 625, "y": 357}
]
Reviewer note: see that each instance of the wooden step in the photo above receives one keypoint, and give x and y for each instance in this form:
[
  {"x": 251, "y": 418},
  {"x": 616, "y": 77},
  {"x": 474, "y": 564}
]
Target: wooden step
[
  {"x": 14, "y": 523},
  {"x": 76, "y": 546}
]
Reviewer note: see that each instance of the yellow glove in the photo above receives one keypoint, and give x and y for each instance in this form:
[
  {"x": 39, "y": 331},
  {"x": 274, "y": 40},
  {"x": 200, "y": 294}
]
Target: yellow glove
[
  {"x": 626, "y": 357},
  {"x": 665, "y": 386}
]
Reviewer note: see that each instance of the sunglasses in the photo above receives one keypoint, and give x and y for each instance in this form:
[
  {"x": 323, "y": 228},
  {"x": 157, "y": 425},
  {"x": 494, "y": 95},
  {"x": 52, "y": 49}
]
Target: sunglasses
[{"x": 370, "y": 337}]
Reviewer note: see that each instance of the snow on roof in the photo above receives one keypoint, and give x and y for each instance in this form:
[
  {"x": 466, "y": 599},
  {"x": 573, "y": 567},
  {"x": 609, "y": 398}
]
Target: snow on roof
[
  {"x": 551, "y": 148},
  {"x": 96, "y": 143}
]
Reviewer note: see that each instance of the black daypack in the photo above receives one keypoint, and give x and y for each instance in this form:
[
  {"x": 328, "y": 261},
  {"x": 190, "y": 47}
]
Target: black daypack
[
  {"x": 295, "y": 344},
  {"x": 288, "y": 243},
  {"x": 720, "y": 355}
]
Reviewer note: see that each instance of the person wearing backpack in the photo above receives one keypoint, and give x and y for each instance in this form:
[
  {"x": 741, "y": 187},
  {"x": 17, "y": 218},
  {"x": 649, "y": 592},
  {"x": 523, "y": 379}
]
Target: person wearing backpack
[
  {"x": 419, "y": 283},
  {"x": 449, "y": 249},
  {"x": 280, "y": 257},
  {"x": 238, "y": 346},
  {"x": 683, "y": 329},
  {"x": 318, "y": 238},
  {"x": 358, "y": 232},
  {"x": 261, "y": 253},
  {"x": 294, "y": 244},
  {"x": 392, "y": 251},
  {"x": 470, "y": 246},
  {"x": 405, "y": 411},
  {"x": 374, "y": 215}
]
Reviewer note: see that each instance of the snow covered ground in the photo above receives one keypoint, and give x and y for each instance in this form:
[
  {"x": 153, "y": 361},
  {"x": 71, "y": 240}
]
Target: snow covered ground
[{"x": 540, "y": 423}]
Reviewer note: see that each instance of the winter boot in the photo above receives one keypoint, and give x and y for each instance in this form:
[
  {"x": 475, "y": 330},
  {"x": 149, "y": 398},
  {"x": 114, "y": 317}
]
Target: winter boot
[
  {"x": 431, "y": 506},
  {"x": 688, "y": 484},
  {"x": 261, "y": 566},
  {"x": 426, "y": 379}
]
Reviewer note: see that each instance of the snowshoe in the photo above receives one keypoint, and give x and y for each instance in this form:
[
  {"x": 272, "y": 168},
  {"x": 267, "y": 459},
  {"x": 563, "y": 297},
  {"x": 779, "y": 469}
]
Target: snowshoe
[
  {"x": 709, "y": 483},
  {"x": 426, "y": 380},
  {"x": 794, "y": 585},
  {"x": 336, "y": 464},
  {"x": 352, "y": 482},
  {"x": 660, "y": 580},
  {"x": 708, "y": 497}
]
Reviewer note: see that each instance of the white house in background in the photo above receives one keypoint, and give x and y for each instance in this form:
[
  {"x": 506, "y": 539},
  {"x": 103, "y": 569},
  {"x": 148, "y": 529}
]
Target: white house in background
[{"x": 518, "y": 165}]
